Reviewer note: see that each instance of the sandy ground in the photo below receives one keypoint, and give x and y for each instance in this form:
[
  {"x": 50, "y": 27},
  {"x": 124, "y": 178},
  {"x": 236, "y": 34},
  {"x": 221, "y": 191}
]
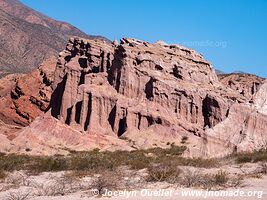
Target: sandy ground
[
  {"x": 51, "y": 186},
  {"x": 255, "y": 189}
]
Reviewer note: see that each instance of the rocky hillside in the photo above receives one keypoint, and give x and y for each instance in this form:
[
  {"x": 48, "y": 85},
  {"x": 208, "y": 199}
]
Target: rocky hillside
[
  {"x": 29, "y": 37},
  {"x": 23, "y": 97}
]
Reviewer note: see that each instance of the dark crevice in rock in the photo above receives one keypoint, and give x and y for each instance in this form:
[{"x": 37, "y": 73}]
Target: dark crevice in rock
[
  {"x": 102, "y": 55},
  {"x": 152, "y": 120},
  {"x": 74, "y": 51},
  {"x": 68, "y": 58},
  {"x": 108, "y": 63},
  {"x": 56, "y": 98},
  {"x": 149, "y": 89},
  {"x": 176, "y": 72},
  {"x": 211, "y": 112},
  {"x": 68, "y": 118},
  {"x": 159, "y": 68},
  {"x": 25, "y": 116},
  {"x": 78, "y": 108},
  {"x": 122, "y": 126},
  {"x": 206, "y": 111},
  {"x": 112, "y": 116},
  {"x": 83, "y": 62},
  {"x": 114, "y": 75},
  {"x": 88, "y": 116},
  {"x": 95, "y": 69},
  {"x": 158, "y": 121},
  {"x": 227, "y": 112},
  {"x": 191, "y": 107},
  {"x": 17, "y": 93},
  {"x": 118, "y": 82},
  {"x": 82, "y": 78},
  {"x": 149, "y": 120},
  {"x": 139, "y": 120}
]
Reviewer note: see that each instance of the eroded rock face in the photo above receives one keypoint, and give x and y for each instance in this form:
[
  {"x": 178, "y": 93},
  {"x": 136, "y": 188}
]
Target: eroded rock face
[
  {"x": 134, "y": 94},
  {"x": 245, "y": 84},
  {"x": 135, "y": 86},
  {"x": 260, "y": 99},
  {"x": 27, "y": 96}
]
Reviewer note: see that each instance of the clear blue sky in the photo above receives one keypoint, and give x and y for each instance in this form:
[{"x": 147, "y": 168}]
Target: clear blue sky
[{"x": 232, "y": 34}]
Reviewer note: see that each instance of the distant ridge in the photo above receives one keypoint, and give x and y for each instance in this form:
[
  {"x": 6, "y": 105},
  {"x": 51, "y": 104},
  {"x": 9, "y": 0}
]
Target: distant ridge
[{"x": 28, "y": 37}]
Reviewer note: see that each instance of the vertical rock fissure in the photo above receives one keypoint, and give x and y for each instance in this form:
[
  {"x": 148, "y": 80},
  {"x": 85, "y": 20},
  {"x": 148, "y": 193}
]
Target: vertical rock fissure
[
  {"x": 122, "y": 126},
  {"x": 82, "y": 78},
  {"x": 56, "y": 98},
  {"x": 69, "y": 113},
  {"x": 206, "y": 111},
  {"x": 211, "y": 112},
  {"x": 149, "y": 89},
  {"x": 102, "y": 55},
  {"x": 139, "y": 120},
  {"x": 78, "y": 108},
  {"x": 112, "y": 116},
  {"x": 88, "y": 116}
]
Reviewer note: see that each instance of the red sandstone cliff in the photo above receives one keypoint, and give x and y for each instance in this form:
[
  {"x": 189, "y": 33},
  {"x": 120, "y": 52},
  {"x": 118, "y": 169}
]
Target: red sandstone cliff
[{"x": 140, "y": 95}]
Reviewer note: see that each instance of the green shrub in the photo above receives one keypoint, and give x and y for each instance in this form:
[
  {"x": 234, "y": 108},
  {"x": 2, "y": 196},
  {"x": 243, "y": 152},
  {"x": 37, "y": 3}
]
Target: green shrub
[
  {"x": 244, "y": 158},
  {"x": 256, "y": 156},
  {"x": 45, "y": 164},
  {"x": 12, "y": 162},
  {"x": 93, "y": 160}
]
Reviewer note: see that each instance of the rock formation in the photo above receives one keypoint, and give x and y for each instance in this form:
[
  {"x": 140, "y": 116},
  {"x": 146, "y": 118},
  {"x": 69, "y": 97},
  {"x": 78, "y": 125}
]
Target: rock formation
[
  {"x": 135, "y": 94},
  {"x": 243, "y": 130},
  {"x": 24, "y": 97},
  {"x": 246, "y": 84},
  {"x": 134, "y": 85},
  {"x": 136, "y": 88}
]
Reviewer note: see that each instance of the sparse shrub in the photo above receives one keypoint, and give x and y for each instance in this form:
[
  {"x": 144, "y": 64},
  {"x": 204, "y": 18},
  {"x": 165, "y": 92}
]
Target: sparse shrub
[
  {"x": 18, "y": 196},
  {"x": 12, "y": 162},
  {"x": 3, "y": 175},
  {"x": 191, "y": 178},
  {"x": 173, "y": 150},
  {"x": 221, "y": 178},
  {"x": 107, "y": 180},
  {"x": 263, "y": 168},
  {"x": 206, "y": 181},
  {"x": 18, "y": 179},
  {"x": 235, "y": 181},
  {"x": 96, "y": 161},
  {"x": 93, "y": 160},
  {"x": 244, "y": 158},
  {"x": 255, "y": 156},
  {"x": 50, "y": 164},
  {"x": 199, "y": 162},
  {"x": 137, "y": 160},
  {"x": 162, "y": 172}
]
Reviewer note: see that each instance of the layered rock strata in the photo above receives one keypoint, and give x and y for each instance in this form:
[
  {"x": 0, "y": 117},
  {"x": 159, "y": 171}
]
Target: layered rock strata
[
  {"x": 245, "y": 84},
  {"x": 26, "y": 96},
  {"x": 134, "y": 94},
  {"x": 135, "y": 86}
]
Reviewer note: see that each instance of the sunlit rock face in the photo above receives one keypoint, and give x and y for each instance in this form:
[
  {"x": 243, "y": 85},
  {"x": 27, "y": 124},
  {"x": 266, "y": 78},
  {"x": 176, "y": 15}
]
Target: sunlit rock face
[
  {"x": 134, "y": 94},
  {"x": 134, "y": 85}
]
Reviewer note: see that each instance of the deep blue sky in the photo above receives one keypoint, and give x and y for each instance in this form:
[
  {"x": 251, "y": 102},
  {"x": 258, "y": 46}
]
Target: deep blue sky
[{"x": 232, "y": 34}]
